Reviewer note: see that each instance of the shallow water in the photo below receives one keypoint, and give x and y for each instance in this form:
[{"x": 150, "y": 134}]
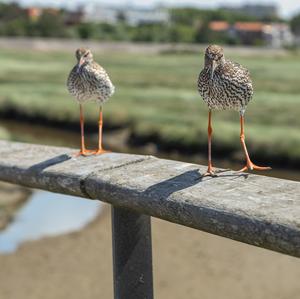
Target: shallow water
[{"x": 47, "y": 214}]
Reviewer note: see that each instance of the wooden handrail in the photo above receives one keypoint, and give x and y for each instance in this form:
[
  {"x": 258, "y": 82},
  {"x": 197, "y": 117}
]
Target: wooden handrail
[{"x": 257, "y": 210}]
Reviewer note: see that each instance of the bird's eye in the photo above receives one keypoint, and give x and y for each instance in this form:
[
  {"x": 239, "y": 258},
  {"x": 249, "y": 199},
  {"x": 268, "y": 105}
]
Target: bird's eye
[{"x": 86, "y": 54}]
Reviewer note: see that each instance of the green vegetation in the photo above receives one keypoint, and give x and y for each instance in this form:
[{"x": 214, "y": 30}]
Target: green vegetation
[
  {"x": 187, "y": 25},
  {"x": 4, "y": 134},
  {"x": 295, "y": 24},
  {"x": 156, "y": 98},
  {"x": 14, "y": 21}
]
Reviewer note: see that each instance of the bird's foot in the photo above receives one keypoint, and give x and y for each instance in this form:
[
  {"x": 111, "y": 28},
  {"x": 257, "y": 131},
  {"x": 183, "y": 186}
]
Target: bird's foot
[
  {"x": 210, "y": 172},
  {"x": 101, "y": 151},
  {"x": 85, "y": 153},
  {"x": 251, "y": 166}
]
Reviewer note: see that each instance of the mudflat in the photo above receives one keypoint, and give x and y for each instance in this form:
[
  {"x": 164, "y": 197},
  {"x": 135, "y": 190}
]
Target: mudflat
[
  {"x": 12, "y": 197},
  {"x": 187, "y": 264}
]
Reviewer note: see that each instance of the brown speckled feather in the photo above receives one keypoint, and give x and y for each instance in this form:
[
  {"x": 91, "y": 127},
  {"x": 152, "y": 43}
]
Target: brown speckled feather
[
  {"x": 90, "y": 83},
  {"x": 230, "y": 86}
]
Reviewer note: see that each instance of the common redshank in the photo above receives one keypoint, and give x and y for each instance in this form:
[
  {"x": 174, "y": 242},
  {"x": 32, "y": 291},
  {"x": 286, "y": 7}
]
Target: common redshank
[
  {"x": 88, "y": 81},
  {"x": 224, "y": 84}
]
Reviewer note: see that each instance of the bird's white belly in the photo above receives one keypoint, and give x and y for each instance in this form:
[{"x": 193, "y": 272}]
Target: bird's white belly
[{"x": 88, "y": 93}]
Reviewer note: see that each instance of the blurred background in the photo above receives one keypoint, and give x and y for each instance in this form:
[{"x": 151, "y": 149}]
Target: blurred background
[{"x": 153, "y": 52}]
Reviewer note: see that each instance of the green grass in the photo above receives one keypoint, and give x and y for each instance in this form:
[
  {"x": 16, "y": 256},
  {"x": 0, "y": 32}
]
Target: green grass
[
  {"x": 156, "y": 96},
  {"x": 4, "y": 134}
]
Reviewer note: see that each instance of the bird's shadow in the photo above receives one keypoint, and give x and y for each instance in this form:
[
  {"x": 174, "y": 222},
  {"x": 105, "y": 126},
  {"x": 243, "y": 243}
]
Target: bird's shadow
[
  {"x": 234, "y": 174},
  {"x": 164, "y": 188},
  {"x": 39, "y": 167},
  {"x": 186, "y": 180}
]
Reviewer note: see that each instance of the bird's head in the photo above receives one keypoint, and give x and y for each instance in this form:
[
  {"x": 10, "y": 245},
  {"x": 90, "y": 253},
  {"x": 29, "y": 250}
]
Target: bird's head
[
  {"x": 214, "y": 56},
  {"x": 84, "y": 56}
]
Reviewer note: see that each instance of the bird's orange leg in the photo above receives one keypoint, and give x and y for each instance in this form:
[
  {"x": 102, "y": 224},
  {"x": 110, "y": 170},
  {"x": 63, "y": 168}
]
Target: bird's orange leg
[
  {"x": 210, "y": 170},
  {"x": 250, "y": 165},
  {"x": 100, "y": 147},
  {"x": 83, "y": 150}
]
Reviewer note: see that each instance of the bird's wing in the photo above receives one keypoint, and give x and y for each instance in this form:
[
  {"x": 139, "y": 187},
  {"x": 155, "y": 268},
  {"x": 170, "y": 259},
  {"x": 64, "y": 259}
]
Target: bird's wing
[
  {"x": 237, "y": 77},
  {"x": 97, "y": 67},
  {"x": 71, "y": 80},
  {"x": 99, "y": 73},
  {"x": 100, "y": 78},
  {"x": 236, "y": 70}
]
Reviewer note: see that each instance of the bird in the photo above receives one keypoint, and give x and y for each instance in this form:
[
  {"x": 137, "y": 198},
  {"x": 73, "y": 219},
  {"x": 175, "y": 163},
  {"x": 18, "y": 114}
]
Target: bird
[
  {"x": 88, "y": 81},
  {"x": 224, "y": 85}
]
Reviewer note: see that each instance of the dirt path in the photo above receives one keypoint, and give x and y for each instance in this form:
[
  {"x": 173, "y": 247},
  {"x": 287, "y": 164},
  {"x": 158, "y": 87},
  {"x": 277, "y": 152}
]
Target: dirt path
[{"x": 187, "y": 264}]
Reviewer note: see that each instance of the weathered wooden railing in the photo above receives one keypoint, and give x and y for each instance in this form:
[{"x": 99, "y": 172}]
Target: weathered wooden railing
[{"x": 253, "y": 209}]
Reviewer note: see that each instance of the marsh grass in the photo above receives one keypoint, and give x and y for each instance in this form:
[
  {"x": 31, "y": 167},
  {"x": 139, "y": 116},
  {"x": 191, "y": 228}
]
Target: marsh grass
[{"x": 156, "y": 97}]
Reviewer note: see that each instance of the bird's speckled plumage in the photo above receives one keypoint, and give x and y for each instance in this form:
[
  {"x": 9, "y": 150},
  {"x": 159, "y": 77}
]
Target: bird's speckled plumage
[
  {"x": 89, "y": 81},
  {"x": 228, "y": 85}
]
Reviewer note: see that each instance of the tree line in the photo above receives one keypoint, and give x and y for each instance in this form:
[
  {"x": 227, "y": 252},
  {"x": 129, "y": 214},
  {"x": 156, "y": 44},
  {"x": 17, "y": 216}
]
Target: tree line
[{"x": 188, "y": 25}]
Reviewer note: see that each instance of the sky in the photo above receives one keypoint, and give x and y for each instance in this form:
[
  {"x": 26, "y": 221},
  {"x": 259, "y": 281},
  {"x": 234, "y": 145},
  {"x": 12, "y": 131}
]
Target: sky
[{"x": 287, "y": 8}]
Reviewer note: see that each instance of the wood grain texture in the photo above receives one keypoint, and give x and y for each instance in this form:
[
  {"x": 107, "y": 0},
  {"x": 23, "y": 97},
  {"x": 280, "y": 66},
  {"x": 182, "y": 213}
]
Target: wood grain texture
[{"x": 253, "y": 209}]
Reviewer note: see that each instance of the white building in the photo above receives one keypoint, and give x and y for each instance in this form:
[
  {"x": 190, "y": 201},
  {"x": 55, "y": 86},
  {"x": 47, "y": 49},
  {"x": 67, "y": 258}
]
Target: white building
[
  {"x": 100, "y": 14},
  {"x": 137, "y": 16},
  {"x": 275, "y": 35},
  {"x": 278, "y": 35},
  {"x": 132, "y": 15}
]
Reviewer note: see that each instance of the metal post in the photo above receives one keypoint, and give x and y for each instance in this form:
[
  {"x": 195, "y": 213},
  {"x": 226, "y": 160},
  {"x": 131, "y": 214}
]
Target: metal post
[{"x": 132, "y": 255}]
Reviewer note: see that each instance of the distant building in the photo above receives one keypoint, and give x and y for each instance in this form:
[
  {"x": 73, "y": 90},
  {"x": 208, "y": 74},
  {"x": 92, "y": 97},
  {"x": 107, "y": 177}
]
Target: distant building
[
  {"x": 256, "y": 10},
  {"x": 132, "y": 15},
  {"x": 249, "y": 33},
  {"x": 219, "y": 26},
  {"x": 100, "y": 14},
  {"x": 74, "y": 17},
  {"x": 33, "y": 13},
  {"x": 278, "y": 35},
  {"x": 137, "y": 16}
]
